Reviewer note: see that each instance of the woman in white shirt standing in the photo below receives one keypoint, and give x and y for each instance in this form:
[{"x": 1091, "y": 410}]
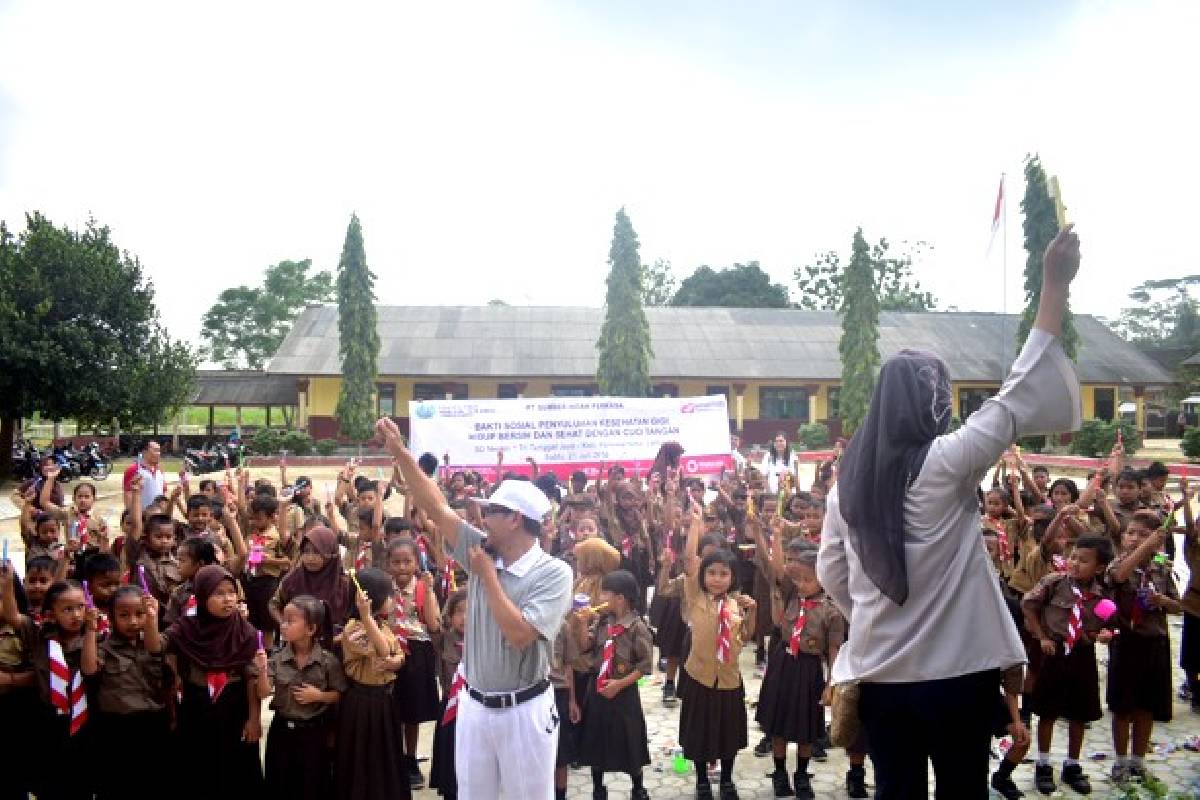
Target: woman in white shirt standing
[
  {"x": 902, "y": 557},
  {"x": 778, "y": 460}
]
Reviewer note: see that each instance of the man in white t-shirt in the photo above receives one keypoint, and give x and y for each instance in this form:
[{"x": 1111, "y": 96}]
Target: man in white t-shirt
[{"x": 153, "y": 481}]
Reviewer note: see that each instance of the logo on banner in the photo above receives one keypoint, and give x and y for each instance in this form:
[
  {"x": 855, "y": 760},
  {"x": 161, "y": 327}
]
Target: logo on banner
[
  {"x": 426, "y": 411},
  {"x": 691, "y": 465}
]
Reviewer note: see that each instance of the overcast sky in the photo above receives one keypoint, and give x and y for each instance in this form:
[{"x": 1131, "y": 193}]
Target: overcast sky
[{"x": 487, "y": 146}]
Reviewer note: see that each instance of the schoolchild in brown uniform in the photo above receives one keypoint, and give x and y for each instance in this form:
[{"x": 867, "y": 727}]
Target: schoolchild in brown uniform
[
  {"x": 266, "y": 562},
  {"x": 307, "y": 681},
  {"x": 130, "y": 689},
  {"x": 812, "y": 631},
  {"x": 1139, "y": 665},
  {"x": 157, "y": 560},
  {"x": 450, "y": 646},
  {"x": 18, "y": 697},
  {"x": 193, "y": 554},
  {"x": 1061, "y": 613},
  {"x": 614, "y": 728}
]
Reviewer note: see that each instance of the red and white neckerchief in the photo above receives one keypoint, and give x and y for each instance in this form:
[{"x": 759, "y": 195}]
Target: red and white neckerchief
[
  {"x": 189, "y": 608},
  {"x": 216, "y": 681},
  {"x": 606, "y": 655},
  {"x": 724, "y": 631},
  {"x": 1058, "y": 563},
  {"x": 1075, "y": 623},
  {"x": 456, "y": 685},
  {"x": 66, "y": 690},
  {"x": 1003, "y": 548},
  {"x": 398, "y": 626},
  {"x": 361, "y": 561},
  {"x": 81, "y": 528},
  {"x": 627, "y": 547},
  {"x": 102, "y": 625},
  {"x": 798, "y": 625},
  {"x": 449, "y": 585},
  {"x": 254, "y": 560}
]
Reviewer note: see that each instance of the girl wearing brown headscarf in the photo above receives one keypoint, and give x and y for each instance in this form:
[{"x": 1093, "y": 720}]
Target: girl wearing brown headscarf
[
  {"x": 221, "y": 669},
  {"x": 319, "y": 573}
]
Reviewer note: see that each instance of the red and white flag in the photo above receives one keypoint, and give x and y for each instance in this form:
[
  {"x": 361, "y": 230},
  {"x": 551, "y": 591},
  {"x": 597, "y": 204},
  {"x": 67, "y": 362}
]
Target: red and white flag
[{"x": 997, "y": 214}]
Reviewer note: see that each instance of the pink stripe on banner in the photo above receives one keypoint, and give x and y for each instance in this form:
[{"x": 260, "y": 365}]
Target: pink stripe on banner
[{"x": 690, "y": 464}]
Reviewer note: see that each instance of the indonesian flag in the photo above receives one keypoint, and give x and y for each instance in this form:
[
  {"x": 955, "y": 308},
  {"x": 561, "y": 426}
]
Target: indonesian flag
[
  {"x": 66, "y": 690},
  {"x": 997, "y": 213},
  {"x": 189, "y": 608}
]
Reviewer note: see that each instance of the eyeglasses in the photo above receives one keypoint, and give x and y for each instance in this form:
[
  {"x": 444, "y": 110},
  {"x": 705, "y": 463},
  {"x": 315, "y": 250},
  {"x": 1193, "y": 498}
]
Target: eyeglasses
[{"x": 492, "y": 508}]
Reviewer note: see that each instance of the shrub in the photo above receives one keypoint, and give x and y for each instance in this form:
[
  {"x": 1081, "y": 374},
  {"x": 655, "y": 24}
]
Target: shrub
[
  {"x": 814, "y": 435},
  {"x": 266, "y": 442},
  {"x": 297, "y": 442},
  {"x": 1097, "y": 437},
  {"x": 1191, "y": 443},
  {"x": 1032, "y": 444},
  {"x": 326, "y": 447}
]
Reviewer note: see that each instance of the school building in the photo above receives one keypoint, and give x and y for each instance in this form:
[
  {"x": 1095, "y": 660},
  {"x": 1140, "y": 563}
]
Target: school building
[{"x": 779, "y": 368}]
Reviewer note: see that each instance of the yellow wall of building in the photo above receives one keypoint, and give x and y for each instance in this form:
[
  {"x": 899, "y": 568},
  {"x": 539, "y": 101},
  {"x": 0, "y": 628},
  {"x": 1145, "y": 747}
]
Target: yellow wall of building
[{"x": 323, "y": 392}]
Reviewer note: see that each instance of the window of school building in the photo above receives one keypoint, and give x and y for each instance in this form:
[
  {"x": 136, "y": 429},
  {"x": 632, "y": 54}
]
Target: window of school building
[
  {"x": 971, "y": 400},
  {"x": 834, "y": 396},
  {"x": 507, "y": 391},
  {"x": 564, "y": 390},
  {"x": 1105, "y": 404},
  {"x": 783, "y": 403},
  {"x": 385, "y": 402}
]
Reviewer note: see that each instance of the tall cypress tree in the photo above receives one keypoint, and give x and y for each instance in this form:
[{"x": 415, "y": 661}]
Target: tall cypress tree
[
  {"x": 1040, "y": 227},
  {"x": 624, "y": 344},
  {"x": 358, "y": 336},
  {"x": 860, "y": 335}
]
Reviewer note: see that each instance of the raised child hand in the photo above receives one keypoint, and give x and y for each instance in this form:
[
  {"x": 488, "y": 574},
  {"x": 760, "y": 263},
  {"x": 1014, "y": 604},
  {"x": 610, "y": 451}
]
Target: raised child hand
[{"x": 1061, "y": 260}]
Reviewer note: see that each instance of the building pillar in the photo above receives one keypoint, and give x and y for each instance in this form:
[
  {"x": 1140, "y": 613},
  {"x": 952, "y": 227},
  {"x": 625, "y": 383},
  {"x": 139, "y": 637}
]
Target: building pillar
[
  {"x": 268, "y": 418},
  {"x": 1139, "y": 414},
  {"x": 237, "y": 417},
  {"x": 739, "y": 404},
  {"x": 301, "y": 404},
  {"x": 175, "y": 431},
  {"x": 812, "y": 407},
  {"x": 212, "y": 419}
]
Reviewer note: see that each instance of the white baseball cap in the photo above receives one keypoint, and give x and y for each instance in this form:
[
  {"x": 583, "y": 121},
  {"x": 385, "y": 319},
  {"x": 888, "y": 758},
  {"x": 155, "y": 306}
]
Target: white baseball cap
[{"x": 520, "y": 496}]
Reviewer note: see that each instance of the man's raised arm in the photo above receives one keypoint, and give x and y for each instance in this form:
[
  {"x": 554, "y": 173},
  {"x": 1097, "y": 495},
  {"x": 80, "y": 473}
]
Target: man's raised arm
[{"x": 423, "y": 492}]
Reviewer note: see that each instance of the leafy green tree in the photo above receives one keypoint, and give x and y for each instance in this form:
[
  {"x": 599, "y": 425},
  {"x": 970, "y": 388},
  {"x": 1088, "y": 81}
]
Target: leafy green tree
[
  {"x": 1162, "y": 313},
  {"x": 1040, "y": 227},
  {"x": 858, "y": 348},
  {"x": 740, "y": 286},
  {"x": 820, "y": 283},
  {"x": 246, "y": 325},
  {"x": 358, "y": 337},
  {"x": 624, "y": 344},
  {"x": 658, "y": 283},
  {"x": 79, "y": 333}
]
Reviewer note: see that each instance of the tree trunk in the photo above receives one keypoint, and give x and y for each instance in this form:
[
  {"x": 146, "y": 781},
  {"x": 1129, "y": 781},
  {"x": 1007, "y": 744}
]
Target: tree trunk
[{"x": 8, "y": 429}]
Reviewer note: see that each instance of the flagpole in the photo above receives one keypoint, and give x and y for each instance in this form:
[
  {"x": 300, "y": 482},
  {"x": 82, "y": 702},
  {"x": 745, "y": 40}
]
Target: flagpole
[{"x": 1004, "y": 273}]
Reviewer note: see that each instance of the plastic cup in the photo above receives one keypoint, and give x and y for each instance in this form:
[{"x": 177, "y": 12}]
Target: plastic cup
[
  {"x": 680, "y": 764},
  {"x": 582, "y": 601}
]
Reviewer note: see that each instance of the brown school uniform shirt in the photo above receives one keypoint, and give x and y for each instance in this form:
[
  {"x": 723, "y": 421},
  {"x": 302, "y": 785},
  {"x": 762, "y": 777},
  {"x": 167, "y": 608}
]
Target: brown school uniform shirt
[
  {"x": 451, "y": 651},
  {"x": 1012, "y": 679},
  {"x": 36, "y": 548},
  {"x": 1031, "y": 569},
  {"x": 272, "y": 547},
  {"x": 131, "y": 679},
  {"x": 177, "y": 604},
  {"x": 632, "y": 649},
  {"x": 1052, "y": 600},
  {"x": 700, "y": 612},
  {"x": 558, "y": 664},
  {"x": 360, "y": 661},
  {"x": 824, "y": 625},
  {"x": 1150, "y": 621},
  {"x": 97, "y": 528},
  {"x": 162, "y": 575},
  {"x": 15, "y": 644},
  {"x": 322, "y": 670}
]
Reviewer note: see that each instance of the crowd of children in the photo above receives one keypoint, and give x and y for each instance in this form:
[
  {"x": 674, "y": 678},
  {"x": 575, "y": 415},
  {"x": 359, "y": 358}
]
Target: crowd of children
[{"x": 172, "y": 632}]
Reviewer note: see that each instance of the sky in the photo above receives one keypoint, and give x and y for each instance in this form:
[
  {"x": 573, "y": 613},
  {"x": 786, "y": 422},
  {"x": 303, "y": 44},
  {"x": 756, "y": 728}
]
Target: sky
[{"x": 487, "y": 146}]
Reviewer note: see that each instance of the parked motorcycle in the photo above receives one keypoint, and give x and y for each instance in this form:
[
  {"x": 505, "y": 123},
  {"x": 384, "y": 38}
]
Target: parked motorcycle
[
  {"x": 92, "y": 462},
  {"x": 66, "y": 458}
]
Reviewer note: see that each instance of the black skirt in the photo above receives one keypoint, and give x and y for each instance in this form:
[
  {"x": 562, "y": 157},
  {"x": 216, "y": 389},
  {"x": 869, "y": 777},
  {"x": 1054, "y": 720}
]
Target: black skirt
[
  {"x": 19, "y": 748},
  {"x": 1068, "y": 686},
  {"x": 1189, "y": 648},
  {"x": 568, "y": 735},
  {"x": 59, "y": 760},
  {"x": 671, "y": 628},
  {"x": 761, "y": 592},
  {"x": 367, "y": 760},
  {"x": 299, "y": 763},
  {"x": 259, "y": 592},
  {"x": 1139, "y": 675},
  {"x": 415, "y": 689},
  {"x": 441, "y": 767},
  {"x": 613, "y": 737},
  {"x": 712, "y": 722},
  {"x": 210, "y": 732},
  {"x": 150, "y": 730},
  {"x": 789, "y": 703}
]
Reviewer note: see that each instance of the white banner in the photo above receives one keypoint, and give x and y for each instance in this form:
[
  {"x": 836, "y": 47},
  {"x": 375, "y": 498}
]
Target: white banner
[{"x": 564, "y": 434}]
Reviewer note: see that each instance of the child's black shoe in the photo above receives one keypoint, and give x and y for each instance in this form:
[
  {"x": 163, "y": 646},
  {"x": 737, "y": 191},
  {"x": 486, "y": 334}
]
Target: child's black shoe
[
  {"x": 1005, "y": 786},
  {"x": 639, "y": 793},
  {"x": 1073, "y": 776},
  {"x": 1043, "y": 778},
  {"x": 704, "y": 791},
  {"x": 729, "y": 792},
  {"x": 818, "y": 751},
  {"x": 600, "y": 793},
  {"x": 856, "y": 782},
  {"x": 804, "y": 790},
  {"x": 781, "y": 784}
]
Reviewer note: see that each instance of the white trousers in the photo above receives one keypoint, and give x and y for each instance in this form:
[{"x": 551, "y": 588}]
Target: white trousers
[{"x": 506, "y": 752}]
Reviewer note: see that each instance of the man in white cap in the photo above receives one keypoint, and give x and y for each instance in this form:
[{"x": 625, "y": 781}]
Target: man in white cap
[{"x": 506, "y": 733}]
